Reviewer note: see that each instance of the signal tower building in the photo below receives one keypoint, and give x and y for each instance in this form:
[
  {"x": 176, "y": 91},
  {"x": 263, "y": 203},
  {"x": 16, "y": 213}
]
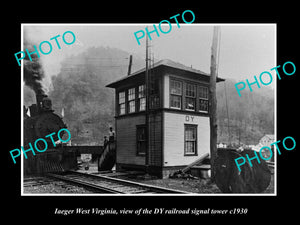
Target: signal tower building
[{"x": 177, "y": 130}]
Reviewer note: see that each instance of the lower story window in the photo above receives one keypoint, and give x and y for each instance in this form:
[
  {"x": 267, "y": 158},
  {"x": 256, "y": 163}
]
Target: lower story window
[
  {"x": 190, "y": 139},
  {"x": 141, "y": 139}
]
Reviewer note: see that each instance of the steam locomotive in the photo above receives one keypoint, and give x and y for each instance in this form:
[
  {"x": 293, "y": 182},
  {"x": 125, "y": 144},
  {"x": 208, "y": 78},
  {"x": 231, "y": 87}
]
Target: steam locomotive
[{"x": 40, "y": 121}]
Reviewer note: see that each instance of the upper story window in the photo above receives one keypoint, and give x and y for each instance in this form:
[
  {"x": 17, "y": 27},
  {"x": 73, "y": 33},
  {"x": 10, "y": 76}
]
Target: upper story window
[
  {"x": 203, "y": 99},
  {"x": 175, "y": 94},
  {"x": 154, "y": 96},
  {"x": 142, "y": 98},
  {"x": 122, "y": 103},
  {"x": 131, "y": 100},
  {"x": 190, "y": 97}
]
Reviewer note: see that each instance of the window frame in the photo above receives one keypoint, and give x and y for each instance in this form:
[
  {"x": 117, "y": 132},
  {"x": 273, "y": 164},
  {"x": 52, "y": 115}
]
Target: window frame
[
  {"x": 131, "y": 97},
  {"x": 205, "y": 98},
  {"x": 176, "y": 94},
  {"x": 199, "y": 89},
  {"x": 187, "y": 96},
  {"x": 138, "y": 141},
  {"x": 141, "y": 95},
  {"x": 195, "y": 141},
  {"x": 123, "y": 103}
]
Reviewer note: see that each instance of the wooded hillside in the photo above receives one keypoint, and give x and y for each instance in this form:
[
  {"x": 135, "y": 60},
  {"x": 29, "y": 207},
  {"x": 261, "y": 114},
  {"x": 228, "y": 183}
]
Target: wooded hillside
[
  {"x": 80, "y": 89},
  {"x": 251, "y": 116}
]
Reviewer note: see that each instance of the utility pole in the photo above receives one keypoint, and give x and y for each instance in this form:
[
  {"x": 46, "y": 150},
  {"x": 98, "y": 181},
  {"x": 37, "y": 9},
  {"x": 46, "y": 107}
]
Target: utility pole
[
  {"x": 213, "y": 100},
  {"x": 228, "y": 125},
  {"x": 147, "y": 87}
]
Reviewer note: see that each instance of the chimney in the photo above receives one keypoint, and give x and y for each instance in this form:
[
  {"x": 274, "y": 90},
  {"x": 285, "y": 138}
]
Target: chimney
[{"x": 129, "y": 66}]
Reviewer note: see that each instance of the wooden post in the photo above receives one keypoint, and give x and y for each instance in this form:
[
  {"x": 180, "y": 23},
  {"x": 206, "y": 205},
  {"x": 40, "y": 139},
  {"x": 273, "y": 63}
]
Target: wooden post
[
  {"x": 213, "y": 100},
  {"x": 147, "y": 87}
]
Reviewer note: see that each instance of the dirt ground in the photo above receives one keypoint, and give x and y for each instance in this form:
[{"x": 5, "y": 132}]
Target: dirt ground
[
  {"x": 199, "y": 186},
  {"x": 188, "y": 185},
  {"x": 55, "y": 187}
]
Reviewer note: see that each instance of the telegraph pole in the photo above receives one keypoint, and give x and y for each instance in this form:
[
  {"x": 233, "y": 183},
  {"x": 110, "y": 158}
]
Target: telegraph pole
[
  {"x": 213, "y": 100},
  {"x": 147, "y": 87}
]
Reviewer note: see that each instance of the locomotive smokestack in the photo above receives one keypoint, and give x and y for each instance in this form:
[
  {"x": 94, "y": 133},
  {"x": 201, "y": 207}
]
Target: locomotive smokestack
[{"x": 39, "y": 101}]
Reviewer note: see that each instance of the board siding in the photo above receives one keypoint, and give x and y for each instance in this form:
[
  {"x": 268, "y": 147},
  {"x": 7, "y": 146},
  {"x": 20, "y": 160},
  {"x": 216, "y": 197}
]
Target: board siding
[
  {"x": 174, "y": 138},
  {"x": 126, "y": 140},
  {"x": 155, "y": 143}
]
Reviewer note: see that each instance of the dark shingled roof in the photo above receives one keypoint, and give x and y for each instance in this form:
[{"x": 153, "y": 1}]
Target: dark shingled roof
[{"x": 165, "y": 62}]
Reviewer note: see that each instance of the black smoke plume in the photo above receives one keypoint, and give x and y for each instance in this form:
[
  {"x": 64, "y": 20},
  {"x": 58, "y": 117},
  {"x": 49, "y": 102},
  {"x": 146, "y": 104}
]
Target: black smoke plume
[{"x": 33, "y": 71}]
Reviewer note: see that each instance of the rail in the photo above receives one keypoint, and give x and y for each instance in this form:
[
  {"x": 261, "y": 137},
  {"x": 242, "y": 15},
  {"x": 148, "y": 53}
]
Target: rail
[{"x": 104, "y": 184}]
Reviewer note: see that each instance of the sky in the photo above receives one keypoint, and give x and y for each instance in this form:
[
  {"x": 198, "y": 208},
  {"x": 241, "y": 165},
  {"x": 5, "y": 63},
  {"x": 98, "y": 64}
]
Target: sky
[{"x": 245, "y": 49}]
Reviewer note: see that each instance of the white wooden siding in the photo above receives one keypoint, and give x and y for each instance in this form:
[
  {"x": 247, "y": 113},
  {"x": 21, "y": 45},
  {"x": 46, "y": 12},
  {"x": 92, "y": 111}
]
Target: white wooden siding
[
  {"x": 126, "y": 140},
  {"x": 166, "y": 95},
  {"x": 174, "y": 138}
]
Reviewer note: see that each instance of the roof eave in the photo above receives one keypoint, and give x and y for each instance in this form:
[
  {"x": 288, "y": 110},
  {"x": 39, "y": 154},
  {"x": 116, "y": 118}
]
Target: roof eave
[{"x": 139, "y": 72}]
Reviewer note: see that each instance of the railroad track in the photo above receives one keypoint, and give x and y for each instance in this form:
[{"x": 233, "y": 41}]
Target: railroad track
[
  {"x": 104, "y": 184},
  {"x": 36, "y": 181}
]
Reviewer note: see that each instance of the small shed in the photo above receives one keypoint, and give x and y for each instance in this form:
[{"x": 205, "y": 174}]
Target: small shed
[
  {"x": 177, "y": 131},
  {"x": 267, "y": 140}
]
